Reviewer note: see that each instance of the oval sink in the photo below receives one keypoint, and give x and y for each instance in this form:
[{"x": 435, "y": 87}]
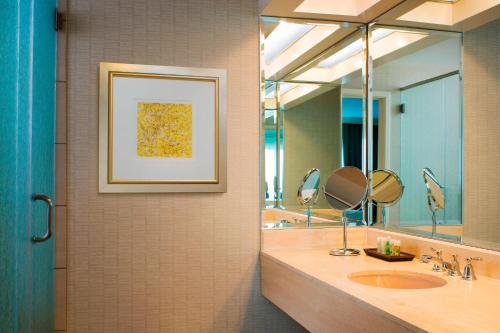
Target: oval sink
[{"x": 397, "y": 279}]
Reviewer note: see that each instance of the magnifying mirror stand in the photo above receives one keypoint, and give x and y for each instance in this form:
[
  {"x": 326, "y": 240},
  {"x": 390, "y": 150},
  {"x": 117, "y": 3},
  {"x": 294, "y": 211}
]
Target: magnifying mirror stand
[
  {"x": 434, "y": 221},
  {"x": 383, "y": 216},
  {"x": 433, "y": 212},
  {"x": 344, "y": 251},
  {"x": 308, "y": 216},
  {"x": 435, "y": 196}
]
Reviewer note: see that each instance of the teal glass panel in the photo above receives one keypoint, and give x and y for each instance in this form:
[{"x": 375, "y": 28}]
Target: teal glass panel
[{"x": 27, "y": 92}]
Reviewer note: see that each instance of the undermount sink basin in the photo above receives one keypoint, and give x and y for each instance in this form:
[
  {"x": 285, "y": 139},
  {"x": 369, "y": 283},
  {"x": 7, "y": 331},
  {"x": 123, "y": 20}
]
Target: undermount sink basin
[{"x": 397, "y": 279}]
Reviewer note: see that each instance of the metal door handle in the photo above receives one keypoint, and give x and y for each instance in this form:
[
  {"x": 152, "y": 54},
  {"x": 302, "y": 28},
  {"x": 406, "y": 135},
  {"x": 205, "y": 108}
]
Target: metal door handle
[{"x": 48, "y": 234}]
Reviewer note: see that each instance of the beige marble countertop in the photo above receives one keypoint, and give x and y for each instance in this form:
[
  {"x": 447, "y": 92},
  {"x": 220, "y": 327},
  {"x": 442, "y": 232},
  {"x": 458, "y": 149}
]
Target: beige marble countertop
[{"x": 459, "y": 306}]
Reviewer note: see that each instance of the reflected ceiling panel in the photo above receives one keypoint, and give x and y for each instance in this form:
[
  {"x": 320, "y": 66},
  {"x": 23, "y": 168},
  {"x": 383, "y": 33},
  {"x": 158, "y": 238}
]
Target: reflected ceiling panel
[
  {"x": 447, "y": 12},
  {"x": 296, "y": 91},
  {"x": 284, "y": 35},
  {"x": 290, "y": 92},
  {"x": 350, "y": 58},
  {"x": 346, "y": 8},
  {"x": 289, "y": 41}
]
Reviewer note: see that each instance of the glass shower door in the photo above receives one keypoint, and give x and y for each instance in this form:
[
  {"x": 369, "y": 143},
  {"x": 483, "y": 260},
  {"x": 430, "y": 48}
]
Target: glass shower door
[
  {"x": 431, "y": 138},
  {"x": 42, "y": 162},
  {"x": 27, "y": 125}
]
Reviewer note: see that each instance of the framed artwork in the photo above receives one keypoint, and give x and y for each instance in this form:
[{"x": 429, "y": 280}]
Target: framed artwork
[{"x": 161, "y": 129}]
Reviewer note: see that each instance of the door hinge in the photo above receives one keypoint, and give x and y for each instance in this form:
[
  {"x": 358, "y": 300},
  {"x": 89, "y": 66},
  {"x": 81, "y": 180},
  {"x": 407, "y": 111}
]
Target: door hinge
[{"x": 58, "y": 20}]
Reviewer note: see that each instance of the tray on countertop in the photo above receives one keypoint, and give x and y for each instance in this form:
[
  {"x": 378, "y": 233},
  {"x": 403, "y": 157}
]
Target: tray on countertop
[{"x": 372, "y": 252}]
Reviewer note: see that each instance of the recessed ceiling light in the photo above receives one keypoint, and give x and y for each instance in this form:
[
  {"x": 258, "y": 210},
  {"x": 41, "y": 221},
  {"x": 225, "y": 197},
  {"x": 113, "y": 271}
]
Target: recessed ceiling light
[
  {"x": 298, "y": 42},
  {"x": 343, "y": 54},
  {"x": 283, "y": 88},
  {"x": 297, "y": 91},
  {"x": 289, "y": 92},
  {"x": 286, "y": 87},
  {"x": 335, "y": 7},
  {"x": 350, "y": 58},
  {"x": 352, "y": 49},
  {"x": 284, "y": 35}
]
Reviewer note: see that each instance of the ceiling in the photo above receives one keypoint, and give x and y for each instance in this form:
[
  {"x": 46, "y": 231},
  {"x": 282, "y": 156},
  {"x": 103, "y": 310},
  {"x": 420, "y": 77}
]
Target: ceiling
[
  {"x": 361, "y": 11},
  {"x": 316, "y": 45},
  {"x": 448, "y": 15}
]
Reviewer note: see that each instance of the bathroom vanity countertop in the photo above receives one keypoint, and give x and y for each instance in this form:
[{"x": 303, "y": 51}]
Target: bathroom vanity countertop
[{"x": 459, "y": 306}]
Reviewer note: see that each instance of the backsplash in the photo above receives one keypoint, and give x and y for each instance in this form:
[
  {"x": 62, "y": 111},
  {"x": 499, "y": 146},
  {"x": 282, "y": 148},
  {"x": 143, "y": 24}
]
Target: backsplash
[
  {"x": 489, "y": 266},
  {"x": 283, "y": 239}
]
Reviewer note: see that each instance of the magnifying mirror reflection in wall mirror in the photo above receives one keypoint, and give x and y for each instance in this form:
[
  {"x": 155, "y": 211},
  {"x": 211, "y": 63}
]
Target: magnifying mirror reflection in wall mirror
[
  {"x": 435, "y": 195},
  {"x": 435, "y": 192},
  {"x": 308, "y": 191},
  {"x": 386, "y": 189}
]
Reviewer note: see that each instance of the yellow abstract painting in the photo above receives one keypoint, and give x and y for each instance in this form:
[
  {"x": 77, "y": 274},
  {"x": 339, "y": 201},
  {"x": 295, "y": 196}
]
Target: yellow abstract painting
[{"x": 164, "y": 130}]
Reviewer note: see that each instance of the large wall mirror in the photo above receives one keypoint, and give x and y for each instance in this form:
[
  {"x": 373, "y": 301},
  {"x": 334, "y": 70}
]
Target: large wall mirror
[
  {"x": 419, "y": 126},
  {"x": 439, "y": 120},
  {"x": 312, "y": 115},
  {"x": 428, "y": 114}
]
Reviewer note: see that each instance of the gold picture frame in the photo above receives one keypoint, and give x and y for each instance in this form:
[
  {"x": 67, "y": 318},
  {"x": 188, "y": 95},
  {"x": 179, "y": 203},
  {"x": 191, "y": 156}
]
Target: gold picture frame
[{"x": 170, "y": 172}]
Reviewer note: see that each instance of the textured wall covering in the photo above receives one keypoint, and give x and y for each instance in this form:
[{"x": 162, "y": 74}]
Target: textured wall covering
[
  {"x": 165, "y": 262},
  {"x": 482, "y": 134}
]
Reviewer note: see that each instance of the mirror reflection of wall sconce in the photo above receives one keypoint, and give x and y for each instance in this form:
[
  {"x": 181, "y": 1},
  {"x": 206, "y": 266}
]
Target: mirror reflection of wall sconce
[{"x": 402, "y": 108}]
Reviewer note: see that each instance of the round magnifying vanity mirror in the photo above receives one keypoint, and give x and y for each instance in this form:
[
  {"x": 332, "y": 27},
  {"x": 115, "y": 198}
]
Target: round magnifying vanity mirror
[
  {"x": 435, "y": 195},
  {"x": 386, "y": 189},
  {"x": 308, "y": 191},
  {"x": 345, "y": 189}
]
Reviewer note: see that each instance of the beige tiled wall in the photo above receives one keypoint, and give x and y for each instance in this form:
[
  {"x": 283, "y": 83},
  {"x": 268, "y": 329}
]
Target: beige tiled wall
[
  {"x": 482, "y": 134},
  {"x": 165, "y": 262}
]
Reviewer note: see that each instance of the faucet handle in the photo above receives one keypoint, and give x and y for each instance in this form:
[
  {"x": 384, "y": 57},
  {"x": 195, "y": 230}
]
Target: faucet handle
[
  {"x": 469, "y": 274},
  {"x": 469, "y": 259},
  {"x": 439, "y": 253},
  {"x": 439, "y": 266},
  {"x": 454, "y": 259},
  {"x": 455, "y": 266}
]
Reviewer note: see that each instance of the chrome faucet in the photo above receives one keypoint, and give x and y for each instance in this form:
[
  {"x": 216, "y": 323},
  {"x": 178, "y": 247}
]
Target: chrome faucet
[
  {"x": 424, "y": 258},
  {"x": 440, "y": 265},
  {"x": 453, "y": 268},
  {"x": 469, "y": 274}
]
